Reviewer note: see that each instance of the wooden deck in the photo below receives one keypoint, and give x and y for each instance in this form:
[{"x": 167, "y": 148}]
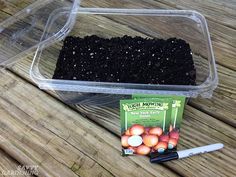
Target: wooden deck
[{"x": 37, "y": 128}]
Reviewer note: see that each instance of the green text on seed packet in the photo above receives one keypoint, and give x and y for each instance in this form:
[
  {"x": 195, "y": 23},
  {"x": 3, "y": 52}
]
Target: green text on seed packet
[
  {"x": 178, "y": 103},
  {"x": 146, "y": 112}
]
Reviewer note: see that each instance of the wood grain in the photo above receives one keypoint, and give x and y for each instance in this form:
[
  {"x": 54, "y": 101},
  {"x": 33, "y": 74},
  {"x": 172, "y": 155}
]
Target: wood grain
[
  {"x": 197, "y": 129},
  {"x": 9, "y": 166},
  {"x": 53, "y": 136},
  {"x": 224, "y": 94},
  {"x": 63, "y": 143},
  {"x": 221, "y": 18},
  {"x": 109, "y": 118},
  {"x": 223, "y": 43}
]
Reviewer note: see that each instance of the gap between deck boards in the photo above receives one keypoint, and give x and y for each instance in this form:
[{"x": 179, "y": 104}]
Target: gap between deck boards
[
  {"x": 75, "y": 112},
  {"x": 81, "y": 113}
]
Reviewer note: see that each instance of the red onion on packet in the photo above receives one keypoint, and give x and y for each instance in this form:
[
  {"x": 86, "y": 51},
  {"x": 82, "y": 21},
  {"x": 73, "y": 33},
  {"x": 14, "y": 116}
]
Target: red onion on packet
[{"x": 150, "y": 123}]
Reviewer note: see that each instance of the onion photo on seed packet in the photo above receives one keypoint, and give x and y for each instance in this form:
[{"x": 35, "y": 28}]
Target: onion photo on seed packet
[
  {"x": 145, "y": 125},
  {"x": 178, "y": 104}
]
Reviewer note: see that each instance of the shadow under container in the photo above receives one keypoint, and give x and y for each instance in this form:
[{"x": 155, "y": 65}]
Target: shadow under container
[{"x": 188, "y": 25}]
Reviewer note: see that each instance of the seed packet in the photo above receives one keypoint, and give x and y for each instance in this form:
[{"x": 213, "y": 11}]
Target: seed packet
[
  {"x": 178, "y": 103},
  {"x": 144, "y": 122}
]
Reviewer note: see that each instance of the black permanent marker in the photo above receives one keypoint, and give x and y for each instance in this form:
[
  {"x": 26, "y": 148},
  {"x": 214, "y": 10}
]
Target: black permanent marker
[{"x": 158, "y": 158}]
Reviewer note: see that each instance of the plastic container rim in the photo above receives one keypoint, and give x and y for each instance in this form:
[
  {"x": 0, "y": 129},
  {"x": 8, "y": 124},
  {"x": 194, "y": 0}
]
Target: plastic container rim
[{"x": 210, "y": 83}]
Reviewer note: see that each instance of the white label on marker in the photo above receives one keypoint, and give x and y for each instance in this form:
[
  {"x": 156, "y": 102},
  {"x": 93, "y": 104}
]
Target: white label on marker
[{"x": 135, "y": 140}]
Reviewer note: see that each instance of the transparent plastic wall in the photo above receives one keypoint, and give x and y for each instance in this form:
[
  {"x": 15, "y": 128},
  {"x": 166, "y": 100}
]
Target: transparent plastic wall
[
  {"x": 22, "y": 24},
  {"x": 187, "y": 25}
]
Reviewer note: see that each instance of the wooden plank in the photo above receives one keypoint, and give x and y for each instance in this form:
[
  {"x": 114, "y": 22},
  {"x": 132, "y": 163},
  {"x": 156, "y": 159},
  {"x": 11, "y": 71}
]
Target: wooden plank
[
  {"x": 109, "y": 119},
  {"x": 221, "y": 17},
  {"x": 224, "y": 45},
  {"x": 210, "y": 9},
  {"x": 197, "y": 129},
  {"x": 224, "y": 94},
  {"x": 222, "y": 36},
  {"x": 2, "y": 5},
  {"x": 53, "y": 158},
  {"x": 8, "y": 8},
  {"x": 38, "y": 129},
  {"x": 9, "y": 166},
  {"x": 221, "y": 20}
]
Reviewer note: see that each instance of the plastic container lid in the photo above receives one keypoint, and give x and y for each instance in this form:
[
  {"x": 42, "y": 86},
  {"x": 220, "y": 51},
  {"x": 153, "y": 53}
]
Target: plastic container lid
[{"x": 23, "y": 31}]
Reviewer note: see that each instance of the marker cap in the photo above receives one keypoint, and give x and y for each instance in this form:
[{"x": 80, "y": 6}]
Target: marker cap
[{"x": 155, "y": 157}]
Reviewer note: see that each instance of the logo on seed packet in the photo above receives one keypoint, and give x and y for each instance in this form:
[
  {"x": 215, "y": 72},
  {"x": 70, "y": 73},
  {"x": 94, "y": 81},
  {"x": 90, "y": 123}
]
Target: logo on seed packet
[{"x": 150, "y": 123}]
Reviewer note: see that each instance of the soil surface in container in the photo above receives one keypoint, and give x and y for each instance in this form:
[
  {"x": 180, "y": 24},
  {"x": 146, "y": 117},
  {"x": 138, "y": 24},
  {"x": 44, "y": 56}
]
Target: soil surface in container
[{"x": 126, "y": 60}]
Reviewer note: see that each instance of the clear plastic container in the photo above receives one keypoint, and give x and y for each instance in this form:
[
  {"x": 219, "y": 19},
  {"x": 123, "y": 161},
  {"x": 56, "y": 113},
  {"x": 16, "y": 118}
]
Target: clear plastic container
[
  {"x": 184, "y": 24},
  {"x": 23, "y": 22}
]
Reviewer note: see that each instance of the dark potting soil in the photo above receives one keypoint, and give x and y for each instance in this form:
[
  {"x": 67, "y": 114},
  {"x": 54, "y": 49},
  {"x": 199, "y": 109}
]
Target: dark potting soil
[{"x": 127, "y": 60}]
